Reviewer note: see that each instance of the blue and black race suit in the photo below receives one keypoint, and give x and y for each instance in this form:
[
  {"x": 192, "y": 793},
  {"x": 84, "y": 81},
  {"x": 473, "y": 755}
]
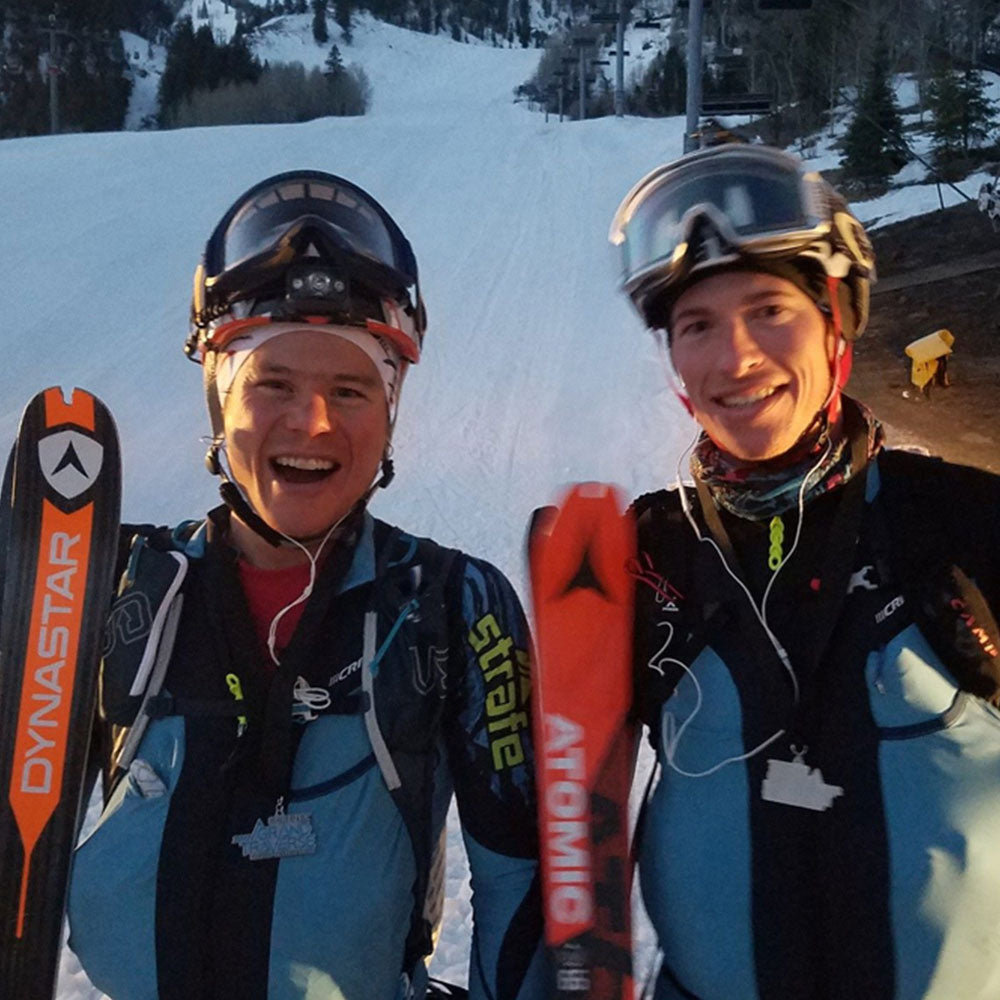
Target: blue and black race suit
[
  {"x": 406, "y": 679},
  {"x": 891, "y": 892}
]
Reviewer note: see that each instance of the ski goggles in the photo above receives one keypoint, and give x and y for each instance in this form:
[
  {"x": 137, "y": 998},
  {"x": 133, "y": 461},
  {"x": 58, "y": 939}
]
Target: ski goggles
[
  {"x": 305, "y": 244},
  {"x": 759, "y": 201}
]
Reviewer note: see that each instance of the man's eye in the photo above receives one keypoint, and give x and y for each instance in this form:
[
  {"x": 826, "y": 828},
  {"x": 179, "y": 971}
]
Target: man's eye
[
  {"x": 772, "y": 310},
  {"x": 693, "y": 327},
  {"x": 349, "y": 392}
]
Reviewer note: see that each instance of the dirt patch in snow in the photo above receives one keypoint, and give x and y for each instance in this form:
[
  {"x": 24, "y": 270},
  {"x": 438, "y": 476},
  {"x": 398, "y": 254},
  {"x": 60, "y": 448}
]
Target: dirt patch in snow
[{"x": 961, "y": 422}]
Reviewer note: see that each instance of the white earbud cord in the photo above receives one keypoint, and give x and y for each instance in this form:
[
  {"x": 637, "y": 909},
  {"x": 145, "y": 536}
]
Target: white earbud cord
[
  {"x": 272, "y": 632},
  {"x": 671, "y": 733}
]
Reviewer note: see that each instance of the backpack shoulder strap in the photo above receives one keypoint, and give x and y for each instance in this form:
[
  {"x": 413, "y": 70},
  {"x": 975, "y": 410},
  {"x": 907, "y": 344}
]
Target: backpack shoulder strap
[
  {"x": 139, "y": 639},
  {"x": 669, "y": 613},
  {"x": 414, "y": 587},
  {"x": 939, "y": 519}
]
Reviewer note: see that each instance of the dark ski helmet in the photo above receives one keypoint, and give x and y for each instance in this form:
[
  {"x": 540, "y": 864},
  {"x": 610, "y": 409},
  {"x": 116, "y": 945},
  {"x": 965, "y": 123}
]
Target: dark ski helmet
[
  {"x": 306, "y": 245},
  {"x": 742, "y": 206},
  {"x": 302, "y": 247}
]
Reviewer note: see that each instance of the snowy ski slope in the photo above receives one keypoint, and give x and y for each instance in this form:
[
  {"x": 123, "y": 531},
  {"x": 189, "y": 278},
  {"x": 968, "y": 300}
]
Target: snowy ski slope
[{"x": 535, "y": 372}]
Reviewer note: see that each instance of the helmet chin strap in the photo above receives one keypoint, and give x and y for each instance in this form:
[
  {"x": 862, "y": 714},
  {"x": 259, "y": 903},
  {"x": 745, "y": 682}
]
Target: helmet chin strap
[
  {"x": 663, "y": 352},
  {"x": 828, "y": 416},
  {"x": 843, "y": 356},
  {"x": 234, "y": 498}
]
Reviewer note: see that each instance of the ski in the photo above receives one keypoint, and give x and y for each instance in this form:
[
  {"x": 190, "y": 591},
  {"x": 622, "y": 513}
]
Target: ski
[
  {"x": 5, "y": 491},
  {"x": 60, "y": 531},
  {"x": 582, "y": 597}
]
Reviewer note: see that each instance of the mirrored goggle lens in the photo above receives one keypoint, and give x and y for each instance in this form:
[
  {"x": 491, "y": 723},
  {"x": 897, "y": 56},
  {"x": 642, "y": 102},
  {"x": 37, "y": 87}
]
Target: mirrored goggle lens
[
  {"x": 357, "y": 222},
  {"x": 756, "y": 200}
]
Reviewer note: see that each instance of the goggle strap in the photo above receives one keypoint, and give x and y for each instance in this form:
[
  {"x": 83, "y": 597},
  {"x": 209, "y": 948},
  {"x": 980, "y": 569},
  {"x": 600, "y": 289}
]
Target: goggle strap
[
  {"x": 404, "y": 344},
  {"x": 210, "y": 362},
  {"x": 833, "y": 289},
  {"x": 225, "y": 333}
]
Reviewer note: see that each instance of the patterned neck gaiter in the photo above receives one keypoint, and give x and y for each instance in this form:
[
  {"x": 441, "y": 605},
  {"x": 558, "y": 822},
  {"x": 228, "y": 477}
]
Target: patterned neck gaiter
[{"x": 760, "y": 490}]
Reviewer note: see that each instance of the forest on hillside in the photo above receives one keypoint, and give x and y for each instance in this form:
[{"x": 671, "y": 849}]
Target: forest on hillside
[{"x": 807, "y": 61}]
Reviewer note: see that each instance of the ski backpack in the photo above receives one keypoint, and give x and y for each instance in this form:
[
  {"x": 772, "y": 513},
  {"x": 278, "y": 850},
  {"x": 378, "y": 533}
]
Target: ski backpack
[{"x": 412, "y": 579}]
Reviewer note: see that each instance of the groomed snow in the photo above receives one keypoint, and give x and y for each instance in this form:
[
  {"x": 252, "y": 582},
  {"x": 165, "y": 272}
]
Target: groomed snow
[{"x": 535, "y": 374}]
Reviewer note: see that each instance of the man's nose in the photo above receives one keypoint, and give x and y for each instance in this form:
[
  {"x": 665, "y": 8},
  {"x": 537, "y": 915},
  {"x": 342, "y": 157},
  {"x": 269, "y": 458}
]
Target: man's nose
[
  {"x": 312, "y": 414},
  {"x": 738, "y": 349}
]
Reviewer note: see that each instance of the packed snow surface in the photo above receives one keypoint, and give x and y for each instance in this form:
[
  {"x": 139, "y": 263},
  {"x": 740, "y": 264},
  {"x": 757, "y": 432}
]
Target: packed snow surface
[{"x": 535, "y": 372}]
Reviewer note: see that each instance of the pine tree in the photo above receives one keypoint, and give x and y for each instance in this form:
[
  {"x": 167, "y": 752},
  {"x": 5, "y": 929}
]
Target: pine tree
[
  {"x": 523, "y": 23},
  {"x": 977, "y": 109},
  {"x": 874, "y": 148},
  {"x": 944, "y": 99},
  {"x": 962, "y": 115},
  {"x": 342, "y": 11},
  {"x": 320, "y": 33},
  {"x": 196, "y": 62},
  {"x": 333, "y": 68}
]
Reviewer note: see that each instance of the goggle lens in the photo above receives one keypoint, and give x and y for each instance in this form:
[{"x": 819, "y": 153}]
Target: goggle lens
[
  {"x": 757, "y": 197},
  {"x": 266, "y": 214}
]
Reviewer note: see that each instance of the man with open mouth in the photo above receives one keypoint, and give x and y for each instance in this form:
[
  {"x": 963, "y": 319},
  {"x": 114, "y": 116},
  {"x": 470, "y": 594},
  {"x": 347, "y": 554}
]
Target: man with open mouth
[
  {"x": 816, "y": 649},
  {"x": 293, "y": 689}
]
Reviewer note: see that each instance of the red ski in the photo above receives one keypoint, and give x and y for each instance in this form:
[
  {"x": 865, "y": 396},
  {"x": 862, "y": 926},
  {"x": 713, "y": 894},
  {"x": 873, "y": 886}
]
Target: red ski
[{"x": 582, "y": 689}]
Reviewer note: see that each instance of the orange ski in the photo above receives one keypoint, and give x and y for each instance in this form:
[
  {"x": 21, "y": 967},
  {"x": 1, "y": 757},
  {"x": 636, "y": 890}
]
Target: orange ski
[
  {"x": 582, "y": 689},
  {"x": 60, "y": 539}
]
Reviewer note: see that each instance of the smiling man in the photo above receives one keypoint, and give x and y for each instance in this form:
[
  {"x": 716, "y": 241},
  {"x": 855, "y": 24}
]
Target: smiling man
[
  {"x": 293, "y": 689},
  {"x": 756, "y": 358},
  {"x": 816, "y": 649}
]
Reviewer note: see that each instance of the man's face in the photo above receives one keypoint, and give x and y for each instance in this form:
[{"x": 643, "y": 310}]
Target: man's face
[
  {"x": 306, "y": 425},
  {"x": 754, "y": 353}
]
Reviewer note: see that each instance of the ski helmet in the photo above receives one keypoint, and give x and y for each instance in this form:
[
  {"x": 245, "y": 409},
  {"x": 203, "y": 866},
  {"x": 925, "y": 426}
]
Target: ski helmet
[
  {"x": 307, "y": 244},
  {"x": 303, "y": 247},
  {"x": 742, "y": 206}
]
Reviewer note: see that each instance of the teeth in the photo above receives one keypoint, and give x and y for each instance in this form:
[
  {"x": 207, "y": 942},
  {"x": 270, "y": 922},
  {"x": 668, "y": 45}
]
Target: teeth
[
  {"x": 308, "y": 464},
  {"x": 742, "y": 400}
]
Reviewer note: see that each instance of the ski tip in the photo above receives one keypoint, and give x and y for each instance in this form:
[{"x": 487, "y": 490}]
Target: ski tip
[
  {"x": 541, "y": 521},
  {"x": 73, "y": 406},
  {"x": 595, "y": 490},
  {"x": 593, "y": 502}
]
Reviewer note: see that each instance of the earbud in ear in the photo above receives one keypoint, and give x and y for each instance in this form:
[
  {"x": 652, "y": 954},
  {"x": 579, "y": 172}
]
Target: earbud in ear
[{"x": 212, "y": 459}]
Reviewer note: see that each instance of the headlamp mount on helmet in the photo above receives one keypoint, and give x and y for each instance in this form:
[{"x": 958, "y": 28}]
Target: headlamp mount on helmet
[{"x": 306, "y": 245}]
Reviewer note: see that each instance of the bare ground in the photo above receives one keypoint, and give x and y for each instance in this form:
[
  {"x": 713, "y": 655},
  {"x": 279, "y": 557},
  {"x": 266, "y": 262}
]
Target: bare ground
[{"x": 962, "y": 422}]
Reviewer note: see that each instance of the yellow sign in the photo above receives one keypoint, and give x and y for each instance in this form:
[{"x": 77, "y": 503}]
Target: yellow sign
[{"x": 926, "y": 354}]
